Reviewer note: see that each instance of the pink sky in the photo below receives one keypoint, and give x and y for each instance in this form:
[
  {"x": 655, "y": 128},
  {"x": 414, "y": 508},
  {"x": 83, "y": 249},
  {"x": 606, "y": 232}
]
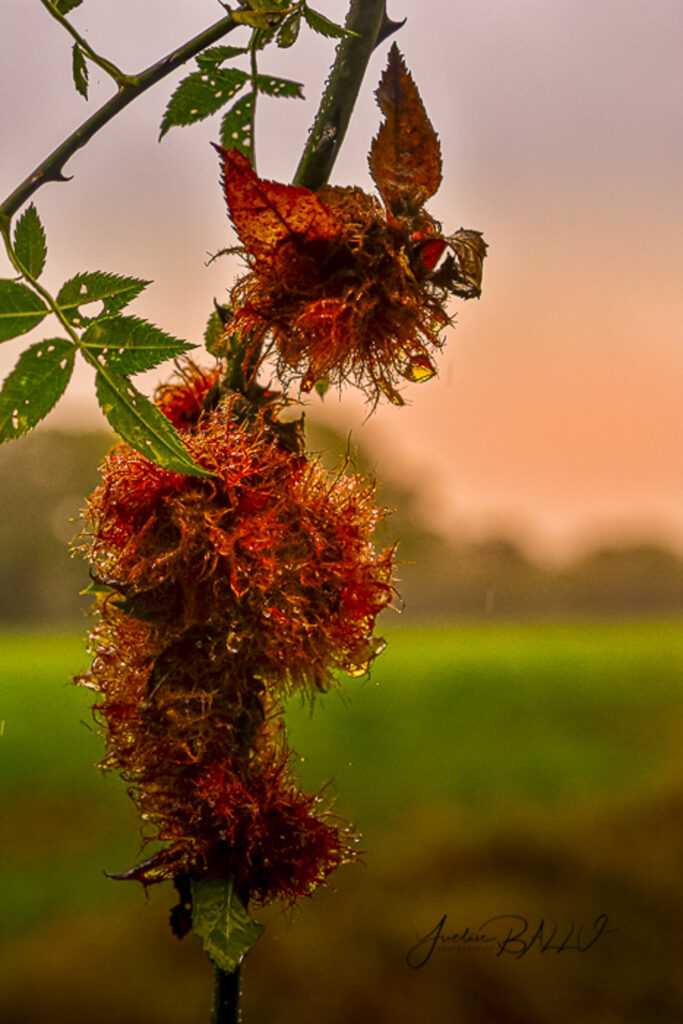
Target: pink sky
[{"x": 557, "y": 413}]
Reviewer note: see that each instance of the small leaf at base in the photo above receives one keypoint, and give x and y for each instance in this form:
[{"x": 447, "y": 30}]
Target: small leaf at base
[{"x": 222, "y": 924}]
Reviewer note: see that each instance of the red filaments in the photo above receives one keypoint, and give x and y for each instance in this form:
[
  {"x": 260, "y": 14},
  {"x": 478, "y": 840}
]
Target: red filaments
[{"x": 224, "y": 595}]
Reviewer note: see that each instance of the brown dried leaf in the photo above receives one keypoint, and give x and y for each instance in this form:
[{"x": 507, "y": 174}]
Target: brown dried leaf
[
  {"x": 469, "y": 248},
  {"x": 266, "y": 212},
  {"x": 405, "y": 157}
]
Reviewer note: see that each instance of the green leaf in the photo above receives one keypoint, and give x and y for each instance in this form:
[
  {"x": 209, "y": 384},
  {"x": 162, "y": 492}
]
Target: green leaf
[
  {"x": 322, "y": 385},
  {"x": 29, "y": 242},
  {"x": 35, "y": 385},
  {"x": 141, "y": 424},
  {"x": 321, "y": 24},
  {"x": 20, "y": 309},
  {"x": 65, "y": 6},
  {"x": 128, "y": 345},
  {"x": 214, "y": 332},
  {"x": 255, "y": 19},
  {"x": 279, "y": 86},
  {"x": 268, "y": 6},
  {"x": 80, "y": 70},
  {"x": 289, "y": 31},
  {"x": 237, "y": 127},
  {"x": 200, "y": 94},
  {"x": 113, "y": 291},
  {"x": 224, "y": 927},
  {"x": 210, "y": 59}
]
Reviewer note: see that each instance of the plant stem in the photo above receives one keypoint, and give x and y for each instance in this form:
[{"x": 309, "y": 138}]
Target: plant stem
[
  {"x": 52, "y": 168},
  {"x": 107, "y": 66},
  {"x": 368, "y": 20},
  {"x": 226, "y": 997}
]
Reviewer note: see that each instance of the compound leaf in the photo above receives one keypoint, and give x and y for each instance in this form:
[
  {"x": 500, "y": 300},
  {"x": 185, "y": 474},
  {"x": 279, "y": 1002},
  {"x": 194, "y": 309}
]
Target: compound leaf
[
  {"x": 112, "y": 290},
  {"x": 128, "y": 345},
  {"x": 20, "y": 309},
  {"x": 209, "y": 60},
  {"x": 279, "y": 86},
  {"x": 319, "y": 23},
  {"x": 35, "y": 385},
  {"x": 29, "y": 242},
  {"x": 237, "y": 127},
  {"x": 200, "y": 94},
  {"x": 141, "y": 424}
]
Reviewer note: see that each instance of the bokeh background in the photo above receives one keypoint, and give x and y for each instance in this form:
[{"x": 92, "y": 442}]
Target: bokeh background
[{"x": 517, "y": 747}]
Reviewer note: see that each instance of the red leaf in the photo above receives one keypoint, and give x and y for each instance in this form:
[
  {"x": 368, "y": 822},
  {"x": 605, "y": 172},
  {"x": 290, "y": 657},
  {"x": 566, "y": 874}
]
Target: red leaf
[
  {"x": 405, "y": 158},
  {"x": 266, "y": 212}
]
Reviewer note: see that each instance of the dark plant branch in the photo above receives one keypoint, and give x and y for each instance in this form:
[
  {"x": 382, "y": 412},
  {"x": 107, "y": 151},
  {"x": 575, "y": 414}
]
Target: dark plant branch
[
  {"x": 52, "y": 168},
  {"x": 226, "y": 997},
  {"x": 368, "y": 20}
]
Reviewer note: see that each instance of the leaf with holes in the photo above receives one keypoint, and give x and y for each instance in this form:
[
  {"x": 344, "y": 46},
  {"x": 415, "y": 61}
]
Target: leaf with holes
[
  {"x": 79, "y": 69},
  {"x": 237, "y": 127},
  {"x": 266, "y": 212},
  {"x": 279, "y": 87},
  {"x": 29, "y": 242},
  {"x": 20, "y": 309},
  {"x": 35, "y": 385},
  {"x": 112, "y": 290},
  {"x": 200, "y": 94},
  {"x": 405, "y": 157},
  {"x": 128, "y": 345},
  {"x": 141, "y": 424},
  {"x": 212, "y": 58},
  {"x": 288, "y": 32},
  {"x": 223, "y": 925},
  {"x": 323, "y": 25}
]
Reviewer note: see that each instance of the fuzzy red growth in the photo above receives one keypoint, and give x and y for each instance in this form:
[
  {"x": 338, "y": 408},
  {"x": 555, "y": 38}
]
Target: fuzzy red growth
[
  {"x": 182, "y": 401},
  {"x": 345, "y": 288},
  {"x": 200, "y": 746},
  {"x": 270, "y": 550},
  {"x": 226, "y": 594}
]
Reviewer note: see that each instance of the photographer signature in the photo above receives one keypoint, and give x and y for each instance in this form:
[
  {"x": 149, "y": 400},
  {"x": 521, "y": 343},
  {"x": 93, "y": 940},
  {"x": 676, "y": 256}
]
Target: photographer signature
[{"x": 510, "y": 935}]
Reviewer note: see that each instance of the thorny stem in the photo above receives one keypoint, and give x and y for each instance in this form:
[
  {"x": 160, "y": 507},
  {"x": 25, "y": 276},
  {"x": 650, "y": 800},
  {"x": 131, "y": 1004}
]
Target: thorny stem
[
  {"x": 226, "y": 997},
  {"x": 52, "y": 168},
  {"x": 368, "y": 20}
]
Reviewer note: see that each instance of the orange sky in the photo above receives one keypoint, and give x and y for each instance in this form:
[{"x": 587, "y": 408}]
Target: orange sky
[{"x": 556, "y": 415}]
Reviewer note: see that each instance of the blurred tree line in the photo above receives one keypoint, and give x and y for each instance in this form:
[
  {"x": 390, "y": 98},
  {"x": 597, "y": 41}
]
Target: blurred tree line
[{"x": 45, "y": 476}]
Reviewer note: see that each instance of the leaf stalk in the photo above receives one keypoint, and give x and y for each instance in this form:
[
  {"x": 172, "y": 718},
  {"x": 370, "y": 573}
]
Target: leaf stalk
[{"x": 52, "y": 167}]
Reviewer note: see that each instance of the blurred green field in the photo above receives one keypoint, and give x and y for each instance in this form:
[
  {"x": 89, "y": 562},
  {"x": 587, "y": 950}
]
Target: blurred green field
[{"x": 490, "y": 768}]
